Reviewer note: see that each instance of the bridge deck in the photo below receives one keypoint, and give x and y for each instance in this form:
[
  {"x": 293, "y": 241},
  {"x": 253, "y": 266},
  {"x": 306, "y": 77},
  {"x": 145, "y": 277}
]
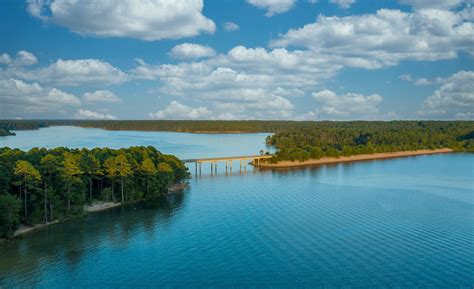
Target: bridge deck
[{"x": 211, "y": 160}]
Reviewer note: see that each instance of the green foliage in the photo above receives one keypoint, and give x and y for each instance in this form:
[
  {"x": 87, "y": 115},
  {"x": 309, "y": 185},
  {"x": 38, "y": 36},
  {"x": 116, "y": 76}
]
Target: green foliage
[
  {"x": 334, "y": 139},
  {"x": 44, "y": 185},
  {"x": 9, "y": 214}
]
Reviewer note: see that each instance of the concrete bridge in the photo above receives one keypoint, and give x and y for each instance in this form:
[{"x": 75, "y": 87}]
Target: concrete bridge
[{"x": 228, "y": 161}]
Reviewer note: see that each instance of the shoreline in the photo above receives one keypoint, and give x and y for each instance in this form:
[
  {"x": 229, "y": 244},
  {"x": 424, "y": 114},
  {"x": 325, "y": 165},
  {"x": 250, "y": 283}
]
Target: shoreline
[
  {"x": 354, "y": 158},
  {"x": 88, "y": 209}
]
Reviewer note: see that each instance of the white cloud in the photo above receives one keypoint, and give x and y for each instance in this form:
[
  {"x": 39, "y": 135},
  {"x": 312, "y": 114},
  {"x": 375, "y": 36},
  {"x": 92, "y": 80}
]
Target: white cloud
[
  {"x": 426, "y": 81},
  {"x": 5, "y": 58},
  {"x": 437, "y": 4},
  {"x": 247, "y": 82},
  {"x": 84, "y": 113},
  {"x": 454, "y": 98},
  {"x": 176, "y": 110},
  {"x": 20, "y": 98},
  {"x": 101, "y": 96},
  {"x": 23, "y": 58},
  {"x": 273, "y": 6},
  {"x": 147, "y": 20},
  {"x": 421, "y": 81},
  {"x": 385, "y": 38},
  {"x": 347, "y": 105},
  {"x": 90, "y": 72},
  {"x": 231, "y": 26},
  {"x": 344, "y": 4},
  {"x": 191, "y": 51}
]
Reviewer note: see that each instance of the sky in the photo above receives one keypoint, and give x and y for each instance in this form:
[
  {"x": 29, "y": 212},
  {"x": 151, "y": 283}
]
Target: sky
[{"x": 237, "y": 59}]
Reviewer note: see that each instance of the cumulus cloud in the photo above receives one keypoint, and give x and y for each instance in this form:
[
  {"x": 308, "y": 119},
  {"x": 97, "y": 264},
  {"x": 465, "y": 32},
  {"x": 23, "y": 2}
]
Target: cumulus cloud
[
  {"x": 421, "y": 81},
  {"x": 191, "y": 51},
  {"x": 386, "y": 37},
  {"x": 426, "y": 81},
  {"x": 347, "y": 105},
  {"x": 19, "y": 98},
  {"x": 230, "y": 26},
  {"x": 101, "y": 96},
  {"x": 5, "y": 58},
  {"x": 84, "y": 113},
  {"x": 273, "y": 6},
  {"x": 344, "y": 4},
  {"x": 437, "y": 4},
  {"x": 147, "y": 20},
  {"x": 455, "y": 97},
  {"x": 23, "y": 58},
  {"x": 247, "y": 82},
  {"x": 176, "y": 110},
  {"x": 91, "y": 72}
]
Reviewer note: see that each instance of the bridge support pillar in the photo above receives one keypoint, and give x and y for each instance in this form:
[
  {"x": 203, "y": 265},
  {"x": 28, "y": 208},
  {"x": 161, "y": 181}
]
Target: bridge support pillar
[{"x": 215, "y": 167}]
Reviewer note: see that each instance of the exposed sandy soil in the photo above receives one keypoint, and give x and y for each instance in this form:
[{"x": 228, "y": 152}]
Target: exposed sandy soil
[
  {"x": 327, "y": 160},
  {"x": 26, "y": 229},
  {"x": 99, "y": 206}
]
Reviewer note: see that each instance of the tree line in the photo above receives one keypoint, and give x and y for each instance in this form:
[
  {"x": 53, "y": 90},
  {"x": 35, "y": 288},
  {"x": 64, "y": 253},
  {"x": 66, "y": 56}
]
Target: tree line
[
  {"x": 334, "y": 139},
  {"x": 205, "y": 126},
  {"x": 42, "y": 185},
  {"x": 5, "y": 132}
]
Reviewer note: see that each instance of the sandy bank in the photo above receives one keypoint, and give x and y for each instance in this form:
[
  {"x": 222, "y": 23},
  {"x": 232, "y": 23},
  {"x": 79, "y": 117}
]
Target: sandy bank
[
  {"x": 99, "y": 206},
  {"x": 327, "y": 160},
  {"x": 26, "y": 229},
  {"x": 177, "y": 188},
  {"x": 95, "y": 207}
]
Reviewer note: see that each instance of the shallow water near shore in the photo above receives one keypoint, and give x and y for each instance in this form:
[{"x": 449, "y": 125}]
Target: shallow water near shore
[{"x": 405, "y": 222}]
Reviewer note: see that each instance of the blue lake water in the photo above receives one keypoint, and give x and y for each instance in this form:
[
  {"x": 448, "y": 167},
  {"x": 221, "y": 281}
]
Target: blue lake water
[{"x": 405, "y": 223}]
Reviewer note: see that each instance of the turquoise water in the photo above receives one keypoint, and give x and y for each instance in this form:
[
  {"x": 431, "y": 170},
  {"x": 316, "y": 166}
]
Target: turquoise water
[{"x": 403, "y": 223}]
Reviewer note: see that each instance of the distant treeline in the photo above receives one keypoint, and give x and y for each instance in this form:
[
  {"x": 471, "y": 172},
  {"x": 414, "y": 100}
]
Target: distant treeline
[
  {"x": 211, "y": 126},
  {"x": 334, "y": 139},
  {"x": 43, "y": 185},
  {"x": 5, "y": 132}
]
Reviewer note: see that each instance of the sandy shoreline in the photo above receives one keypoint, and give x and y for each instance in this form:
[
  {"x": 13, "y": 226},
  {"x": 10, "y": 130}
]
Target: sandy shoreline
[
  {"x": 95, "y": 207},
  {"x": 328, "y": 160},
  {"x": 100, "y": 206}
]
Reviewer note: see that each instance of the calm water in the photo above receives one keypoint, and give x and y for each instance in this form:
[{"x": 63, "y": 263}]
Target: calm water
[
  {"x": 183, "y": 145},
  {"x": 394, "y": 223}
]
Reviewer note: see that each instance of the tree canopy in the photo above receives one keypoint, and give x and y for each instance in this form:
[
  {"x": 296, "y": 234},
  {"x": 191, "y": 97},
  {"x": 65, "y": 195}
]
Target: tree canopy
[
  {"x": 43, "y": 185},
  {"x": 334, "y": 139}
]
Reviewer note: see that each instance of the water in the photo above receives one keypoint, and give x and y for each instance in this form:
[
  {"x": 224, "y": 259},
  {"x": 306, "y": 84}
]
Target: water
[
  {"x": 183, "y": 145},
  {"x": 405, "y": 222}
]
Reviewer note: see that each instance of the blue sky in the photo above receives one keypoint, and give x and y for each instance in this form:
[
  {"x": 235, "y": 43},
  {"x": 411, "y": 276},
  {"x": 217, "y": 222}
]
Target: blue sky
[{"x": 255, "y": 59}]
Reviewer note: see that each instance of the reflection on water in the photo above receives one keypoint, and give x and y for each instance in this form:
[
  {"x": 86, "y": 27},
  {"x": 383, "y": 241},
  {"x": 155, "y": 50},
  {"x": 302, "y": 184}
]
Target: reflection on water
[{"x": 66, "y": 244}]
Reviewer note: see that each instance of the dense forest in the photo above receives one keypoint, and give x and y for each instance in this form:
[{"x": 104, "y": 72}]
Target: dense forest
[
  {"x": 43, "y": 185},
  {"x": 334, "y": 139}
]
